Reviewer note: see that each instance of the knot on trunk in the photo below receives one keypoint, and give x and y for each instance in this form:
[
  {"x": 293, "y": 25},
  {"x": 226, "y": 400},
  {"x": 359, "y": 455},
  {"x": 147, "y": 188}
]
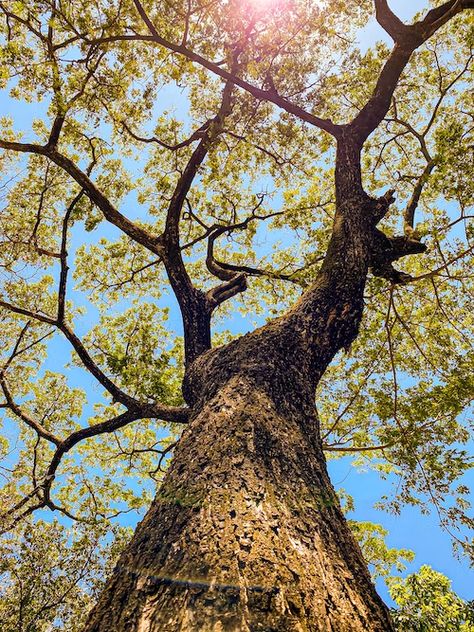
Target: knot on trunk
[
  {"x": 386, "y": 250},
  {"x": 381, "y": 205}
]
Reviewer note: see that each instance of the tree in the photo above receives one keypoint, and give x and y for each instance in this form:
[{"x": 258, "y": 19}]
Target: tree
[
  {"x": 51, "y": 574},
  {"x": 426, "y": 602},
  {"x": 245, "y": 531}
]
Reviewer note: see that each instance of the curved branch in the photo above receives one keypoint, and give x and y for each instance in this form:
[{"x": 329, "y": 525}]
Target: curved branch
[
  {"x": 137, "y": 233},
  {"x": 43, "y": 489},
  {"x": 40, "y": 430},
  {"x": 407, "y": 39},
  {"x": 234, "y": 277},
  {"x": 390, "y": 22},
  {"x": 196, "y": 135}
]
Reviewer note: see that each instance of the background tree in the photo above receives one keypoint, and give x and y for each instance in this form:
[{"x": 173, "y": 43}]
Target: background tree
[
  {"x": 426, "y": 602},
  {"x": 245, "y": 531},
  {"x": 51, "y": 574}
]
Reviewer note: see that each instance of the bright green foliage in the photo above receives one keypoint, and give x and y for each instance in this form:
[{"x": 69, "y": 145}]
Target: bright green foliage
[
  {"x": 381, "y": 559},
  {"x": 426, "y": 603},
  {"x": 50, "y": 575}
]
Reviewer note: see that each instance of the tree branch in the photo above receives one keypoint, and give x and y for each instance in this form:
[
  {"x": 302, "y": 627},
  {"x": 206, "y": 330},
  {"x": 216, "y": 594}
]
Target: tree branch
[
  {"x": 43, "y": 489},
  {"x": 234, "y": 277},
  {"x": 390, "y": 22},
  {"x": 29, "y": 421},
  {"x": 368, "y": 448},
  {"x": 180, "y": 49},
  {"x": 407, "y": 39},
  {"x": 138, "y": 234},
  {"x": 409, "y": 213},
  {"x": 26, "y": 312},
  {"x": 387, "y": 249},
  {"x": 63, "y": 259},
  {"x": 194, "y": 304},
  {"x": 35, "y": 425},
  {"x": 196, "y": 135},
  {"x": 167, "y": 413}
]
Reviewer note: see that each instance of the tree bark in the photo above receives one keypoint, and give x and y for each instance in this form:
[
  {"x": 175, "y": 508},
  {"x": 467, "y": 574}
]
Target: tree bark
[{"x": 246, "y": 534}]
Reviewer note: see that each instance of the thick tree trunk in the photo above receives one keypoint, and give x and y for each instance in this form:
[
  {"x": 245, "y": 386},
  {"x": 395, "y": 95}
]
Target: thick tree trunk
[{"x": 246, "y": 533}]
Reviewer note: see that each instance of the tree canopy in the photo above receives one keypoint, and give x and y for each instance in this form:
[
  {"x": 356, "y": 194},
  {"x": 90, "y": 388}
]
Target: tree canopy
[
  {"x": 163, "y": 155},
  {"x": 426, "y": 602}
]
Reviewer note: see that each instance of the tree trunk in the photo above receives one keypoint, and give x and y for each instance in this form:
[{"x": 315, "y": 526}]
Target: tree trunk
[{"x": 246, "y": 533}]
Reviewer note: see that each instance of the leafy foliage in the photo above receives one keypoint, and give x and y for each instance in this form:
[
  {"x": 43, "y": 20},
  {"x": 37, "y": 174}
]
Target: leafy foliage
[
  {"x": 50, "y": 575},
  {"x": 426, "y": 602}
]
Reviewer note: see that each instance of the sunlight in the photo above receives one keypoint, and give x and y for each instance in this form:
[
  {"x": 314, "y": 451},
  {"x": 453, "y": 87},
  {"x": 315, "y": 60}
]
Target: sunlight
[
  {"x": 266, "y": 7},
  {"x": 263, "y": 5}
]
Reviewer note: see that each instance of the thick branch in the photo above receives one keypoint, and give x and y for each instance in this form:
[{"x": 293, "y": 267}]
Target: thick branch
[
  {"x": 407, "y": 39},
  {"x": 194, "y": 304},
  {"x": 386, "y": 250},
  {"x": 390, "y": 22},
  {"x": 437, "y": 17}
]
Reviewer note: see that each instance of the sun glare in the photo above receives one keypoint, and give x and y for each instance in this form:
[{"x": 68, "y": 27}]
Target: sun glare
[{"x": 263, "y": 4}]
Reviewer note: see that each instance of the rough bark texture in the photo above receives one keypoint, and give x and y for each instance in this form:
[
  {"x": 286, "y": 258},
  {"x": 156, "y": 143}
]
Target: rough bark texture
[{"x": 246, "y": 534}]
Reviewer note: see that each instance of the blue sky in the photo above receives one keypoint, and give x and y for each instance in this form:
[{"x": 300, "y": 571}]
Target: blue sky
[{"x": 409, "y": 530}]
